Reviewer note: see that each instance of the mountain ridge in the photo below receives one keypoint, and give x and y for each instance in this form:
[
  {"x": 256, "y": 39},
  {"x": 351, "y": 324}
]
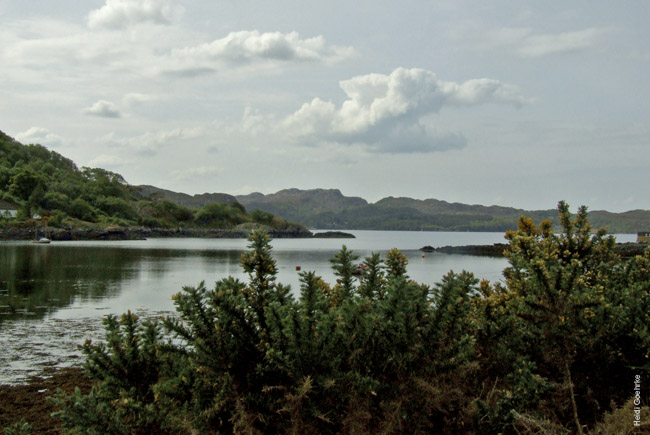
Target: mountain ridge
[{"x": 331, "y": 209}]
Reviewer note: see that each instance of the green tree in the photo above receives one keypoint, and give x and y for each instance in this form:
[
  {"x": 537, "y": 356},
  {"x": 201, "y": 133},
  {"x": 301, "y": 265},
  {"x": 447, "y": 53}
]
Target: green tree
[
  {"x": 116, "y": 207},
  {"x": 24, "y": 182},
  {"x": 214, "y": 214},
  {"x": 372, "y": 277},
  {"x": 345, "y": 269},
  {"x": 80, "y": 209},
  {"x": 396, "y": 263},
  {"x": 261, "y": 217}
]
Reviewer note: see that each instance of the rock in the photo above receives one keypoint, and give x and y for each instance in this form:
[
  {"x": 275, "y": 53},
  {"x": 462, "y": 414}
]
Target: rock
[
  {"x": 333, "y": 235},
  {"x": 495, "y": 250}
]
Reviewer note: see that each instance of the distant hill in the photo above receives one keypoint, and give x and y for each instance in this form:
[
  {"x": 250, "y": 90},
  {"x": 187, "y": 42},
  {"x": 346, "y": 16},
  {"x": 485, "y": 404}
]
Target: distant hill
[
  {"x": 632, "y": 221},
  {"x": 195, "y": 201},
  {"x": 304, "y": 205},
  {"x": 330, "y": 209}
]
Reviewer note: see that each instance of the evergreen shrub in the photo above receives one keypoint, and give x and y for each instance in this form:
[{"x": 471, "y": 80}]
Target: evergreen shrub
[{"x": 551, "y": 349}]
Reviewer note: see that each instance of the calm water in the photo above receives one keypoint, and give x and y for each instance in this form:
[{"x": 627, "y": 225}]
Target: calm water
[{"x": 53, "y": 297}]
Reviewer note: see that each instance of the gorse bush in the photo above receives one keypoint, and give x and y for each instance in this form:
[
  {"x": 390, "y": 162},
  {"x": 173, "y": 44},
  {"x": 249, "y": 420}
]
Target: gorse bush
[
  {"x": 128, "y": 370},
  {"x": 551, "y": 348},
  {"x": 565, "y": 335}
]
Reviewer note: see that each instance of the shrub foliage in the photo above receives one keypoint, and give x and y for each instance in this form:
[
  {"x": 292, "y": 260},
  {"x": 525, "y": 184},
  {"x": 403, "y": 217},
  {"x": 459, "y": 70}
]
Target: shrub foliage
[{"x": 551, "y": 348}]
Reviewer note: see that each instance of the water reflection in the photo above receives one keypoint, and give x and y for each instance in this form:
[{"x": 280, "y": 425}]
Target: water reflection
[
  {"x": 40, "y": 280},
  {"x": 36, "y": 280}
]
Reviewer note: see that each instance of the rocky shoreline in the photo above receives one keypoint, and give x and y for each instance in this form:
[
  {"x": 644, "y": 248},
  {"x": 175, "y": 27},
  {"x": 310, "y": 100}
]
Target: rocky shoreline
[
  {"x": 30, "y": 400},
  {"x": 138, "y": 233},
  {"x": 625, "y": 250},
  {"x": 142, "y": 233}
]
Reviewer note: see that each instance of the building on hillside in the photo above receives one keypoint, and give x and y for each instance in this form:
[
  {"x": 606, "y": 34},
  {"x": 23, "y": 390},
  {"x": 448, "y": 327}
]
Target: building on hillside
[
  {"x": 7, "y": 210},
  {"x": 643, "y": 237}
]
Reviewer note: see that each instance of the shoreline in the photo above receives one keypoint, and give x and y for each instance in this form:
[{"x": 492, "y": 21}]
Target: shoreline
[
  {"x": 141, "y": 233},
  {"x": 28, "y": 400},
  {"x": 625, "y": 250}
]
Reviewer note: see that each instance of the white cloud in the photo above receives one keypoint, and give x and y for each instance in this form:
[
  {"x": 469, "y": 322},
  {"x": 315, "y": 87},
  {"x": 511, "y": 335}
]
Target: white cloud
[
  {"x": 192, "y": 173},
  {"x": 244, "y": 47},
  {"x": 53, "y": 48},
  {"x": 39, "y": 135},
  {"x": 107, "y": 161},
  {"x": 123, "y": 13},
  {"x": 152, "y": 141},
  {"x": 546, "y": 44},
  {"x": 385, "y": 112},
  {"x": 135, "y": 99},
  {"x": 103, "y": 109},
  {"x": 526, "y": 43}
]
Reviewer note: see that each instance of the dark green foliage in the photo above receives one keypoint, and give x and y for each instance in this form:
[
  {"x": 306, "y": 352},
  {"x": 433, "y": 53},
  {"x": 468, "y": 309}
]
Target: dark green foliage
[
  {"x": 372, "y": 277},
  {"x": 116, "y": 207},
  {"x": 24, "y": 182},
  {"x": 344, "y": 269},
  {"x": 163, "y": 214},
  {"x": 226, "y": 215},
  {"x": 21, "y": 427},
  {"x": 127, "y": 371},
  {"x": 550, "y": 349},
  {"x": 80, "y": 209},
  {"x": 261, "y": 217}
]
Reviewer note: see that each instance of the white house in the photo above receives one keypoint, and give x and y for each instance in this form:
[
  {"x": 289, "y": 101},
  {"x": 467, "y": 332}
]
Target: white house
[{"x": 7, "y": 210}]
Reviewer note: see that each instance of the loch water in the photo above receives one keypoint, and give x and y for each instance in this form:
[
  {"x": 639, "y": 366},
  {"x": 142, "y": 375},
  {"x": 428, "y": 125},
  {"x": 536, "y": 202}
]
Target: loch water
[{"x": 53, "y": 297}]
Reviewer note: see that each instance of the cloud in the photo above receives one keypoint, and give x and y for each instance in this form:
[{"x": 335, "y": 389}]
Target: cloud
[
  {"x": 136, "y": 99},
  {"x": 39, "y": 135},
  {"x": 384, "y": 112},
  {"x": 193, "y": 173},
  {"x": 151, "y": 142},
  {"x": 117, "y": 14},
  {"x": 106, "y": 161},
  {"x": 546, "y": 44},
  {"x": 43, "y": 45},
  {"x": 526, "y": 43},
  {"x": 103, "y": 109},
  {"x": 245, "y": 47}
]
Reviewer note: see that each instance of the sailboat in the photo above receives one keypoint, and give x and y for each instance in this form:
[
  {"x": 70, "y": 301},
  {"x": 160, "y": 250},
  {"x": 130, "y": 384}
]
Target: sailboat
[{"x": 40, "y": 240}]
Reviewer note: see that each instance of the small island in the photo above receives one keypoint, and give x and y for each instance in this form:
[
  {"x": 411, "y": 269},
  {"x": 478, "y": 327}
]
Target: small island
[{"x": 333, "y": 235}]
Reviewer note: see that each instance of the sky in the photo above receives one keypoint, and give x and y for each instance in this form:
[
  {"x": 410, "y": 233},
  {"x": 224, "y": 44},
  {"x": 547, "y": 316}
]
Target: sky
[{"x": 509, "y": 102}]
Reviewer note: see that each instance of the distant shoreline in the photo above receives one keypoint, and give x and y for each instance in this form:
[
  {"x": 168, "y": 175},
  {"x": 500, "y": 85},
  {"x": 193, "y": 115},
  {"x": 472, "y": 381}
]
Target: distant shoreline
[
  {"x": 141, "y": 233},
  {"x": 625, "y": 250}
]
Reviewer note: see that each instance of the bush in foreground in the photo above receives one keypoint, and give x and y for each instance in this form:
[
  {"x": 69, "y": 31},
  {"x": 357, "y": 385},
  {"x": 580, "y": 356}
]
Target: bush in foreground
[{"x": 552, "y": 348}]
